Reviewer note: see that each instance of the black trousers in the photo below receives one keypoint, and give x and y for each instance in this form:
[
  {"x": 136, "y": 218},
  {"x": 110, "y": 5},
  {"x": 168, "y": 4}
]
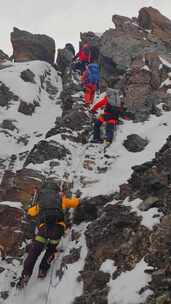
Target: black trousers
[{"x": 50, "y": 235}]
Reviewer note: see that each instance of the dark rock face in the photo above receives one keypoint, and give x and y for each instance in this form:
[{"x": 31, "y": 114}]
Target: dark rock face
[
  {"x": 3, "y": 56},
  {"x": 28, "y": 76},
  {"x": 159, "y": 258},
  {"x": 64, "y": 58},
  {"x": 90, "y": 209},
  {"x": 73, "y": 120},
  {"x": 26, "y": 108},
  {"x": 11, "y": 224},
  {"x": 153, "y": 178},
  {"x": 135, "y": 143},
  {"x": 6, "y": 95},
  {"x": 8, "y": 124},
  {"x": 141, "y": 85},
  {"x": 27, "y": 47},
  {"x": 45, "y": 151},
  {"x": 151, "y": 19}
]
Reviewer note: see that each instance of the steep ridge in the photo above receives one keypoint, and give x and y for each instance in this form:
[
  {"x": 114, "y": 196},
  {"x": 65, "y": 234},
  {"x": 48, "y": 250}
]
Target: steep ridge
[{"x": 118, "y": 248}]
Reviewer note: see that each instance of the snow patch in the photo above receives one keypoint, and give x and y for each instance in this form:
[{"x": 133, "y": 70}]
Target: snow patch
[
  {"x": 125, "y": 289},
  {"x": 150, "y": 217},
  {"x": 108, "y": 266},
  {"x": 12, "y": 204}
]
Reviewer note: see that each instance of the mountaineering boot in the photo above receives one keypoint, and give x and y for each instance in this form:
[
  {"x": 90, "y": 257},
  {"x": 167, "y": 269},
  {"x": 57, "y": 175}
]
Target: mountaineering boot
[
  {"x": 22, "y": 281},
  {"x": 107, "y": 142},
  {"x": 42, "y": 274},
  {"x": 97, "y": 141}
]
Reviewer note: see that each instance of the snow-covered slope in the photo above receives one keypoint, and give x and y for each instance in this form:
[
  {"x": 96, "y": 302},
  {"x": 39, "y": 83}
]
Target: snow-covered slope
[
  {"x": 84, "y": 164},
  {"x": 92, "y": 171},
  {"x": 51, "y": 290},
  {"x": 43, "y": 92}
]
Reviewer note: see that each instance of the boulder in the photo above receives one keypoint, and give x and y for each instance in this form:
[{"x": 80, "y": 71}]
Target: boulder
[
  {"x": 28, "y": 76},
  {"x": 135, "y": 143},
  {"x": 27, "y": 46}
]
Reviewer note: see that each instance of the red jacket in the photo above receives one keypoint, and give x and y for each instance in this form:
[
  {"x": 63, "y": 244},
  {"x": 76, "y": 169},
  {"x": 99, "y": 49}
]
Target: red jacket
[
  {"x": 82, "y": 56},
  {"x": 103, "y": 102},
  {"x": 115, "y": 111}
]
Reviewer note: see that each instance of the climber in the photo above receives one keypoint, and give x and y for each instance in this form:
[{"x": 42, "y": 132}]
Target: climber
[
  {"x": 84, "y": 58},
  {"x": 90, "y": 82},
  {"x": 49, "y": 208},
  {"x": 113, "y": 108}
]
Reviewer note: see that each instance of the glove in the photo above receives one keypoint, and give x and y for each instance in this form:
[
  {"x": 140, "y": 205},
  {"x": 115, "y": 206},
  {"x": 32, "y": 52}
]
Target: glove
[{"x": 78, "y": 193}]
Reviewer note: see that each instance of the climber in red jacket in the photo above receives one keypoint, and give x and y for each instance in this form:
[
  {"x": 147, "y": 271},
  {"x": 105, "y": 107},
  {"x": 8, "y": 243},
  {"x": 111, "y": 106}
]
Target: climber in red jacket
[
  {"x": 84, "y": 56},
  {"x": 113, "y": 108}
]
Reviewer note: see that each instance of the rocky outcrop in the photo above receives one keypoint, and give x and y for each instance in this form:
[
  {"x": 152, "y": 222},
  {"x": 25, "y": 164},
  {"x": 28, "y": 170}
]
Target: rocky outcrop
[
  {"x": 75, "y": 119},
  {"x": 151, "y": 19},
  {"x": 45, "y": 150},
  {"x": 141, "y": 84},
  {"x": 27, "y": 46},
  {"x": 20, "y": 186},
  {"x": 64, "y": 65}
]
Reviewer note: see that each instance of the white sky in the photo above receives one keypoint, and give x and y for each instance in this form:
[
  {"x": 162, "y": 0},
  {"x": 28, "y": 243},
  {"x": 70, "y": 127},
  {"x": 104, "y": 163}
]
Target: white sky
[{"x": 65, "y": 19}]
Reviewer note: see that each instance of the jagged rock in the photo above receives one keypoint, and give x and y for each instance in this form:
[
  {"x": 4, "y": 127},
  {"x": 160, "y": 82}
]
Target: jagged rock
[
  {"x": 26, "y": 108},
  {"x": 67, "y": 102},
  {"x": 11, "y": 224},
  {"x": 75, "y": 119},
  {"x": 135, "y": 143},
  {"x": 121, "y": 46},
  {"x": 151, "y": 19},
  {"x": 141, "y": 85},
  {"x": 28, "y": 76},
  {"x": 148, "y": 203},
  {"x": 45, "y": 150},
  {"x": 95, "y": 280},
  {"x": 6, "y": 95},
  {"x": 163, "y": 299},
  {"x": 73, "y": 256},
  {"x": 3, "y": 56},
  {"x": 97, "y": 296},
  {"x": 159, "y": 258},
  {"x": 65, "y": 57},
  {"x": 8, "y": 124},
  {"x": 27, "y": 47},
  {"x": 20, "y": 186},
  {"x": 89, "y": 209}
]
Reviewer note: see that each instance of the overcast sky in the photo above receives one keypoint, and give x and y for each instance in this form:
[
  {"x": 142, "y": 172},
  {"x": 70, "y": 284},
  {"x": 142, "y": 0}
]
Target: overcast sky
[{"x": 65, "y": 19}]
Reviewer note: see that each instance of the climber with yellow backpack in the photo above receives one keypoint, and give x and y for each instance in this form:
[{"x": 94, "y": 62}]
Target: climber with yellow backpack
[{"x": 48, "y": 208}]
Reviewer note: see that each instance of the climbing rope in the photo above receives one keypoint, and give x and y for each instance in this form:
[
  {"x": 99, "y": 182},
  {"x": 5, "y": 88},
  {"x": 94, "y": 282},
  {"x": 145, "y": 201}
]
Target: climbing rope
[{"x": 51, "y": 283}]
